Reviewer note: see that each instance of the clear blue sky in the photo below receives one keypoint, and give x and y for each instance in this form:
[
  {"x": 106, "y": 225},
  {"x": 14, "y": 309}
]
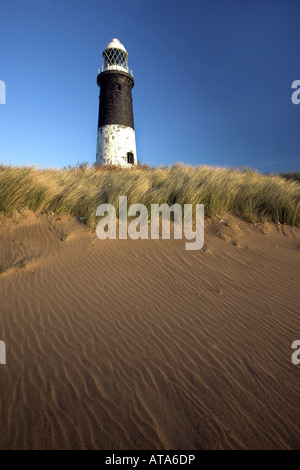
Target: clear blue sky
[{"x": 212, "y": 80}]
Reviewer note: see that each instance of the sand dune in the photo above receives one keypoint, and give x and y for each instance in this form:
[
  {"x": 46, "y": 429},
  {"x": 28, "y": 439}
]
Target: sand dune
[{"x": 123, "y": 344}]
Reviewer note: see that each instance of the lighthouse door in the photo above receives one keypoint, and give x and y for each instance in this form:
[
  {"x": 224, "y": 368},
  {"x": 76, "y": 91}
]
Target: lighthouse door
[{"x": 130, "y": 158}]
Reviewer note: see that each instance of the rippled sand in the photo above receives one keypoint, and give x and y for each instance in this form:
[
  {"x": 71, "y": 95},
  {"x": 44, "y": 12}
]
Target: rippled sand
[{"x": 123, "y": 344}]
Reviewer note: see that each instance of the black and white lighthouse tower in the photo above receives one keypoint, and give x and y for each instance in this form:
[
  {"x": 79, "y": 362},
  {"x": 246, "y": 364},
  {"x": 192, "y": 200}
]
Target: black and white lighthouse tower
[{"x": 116, "y": 136}]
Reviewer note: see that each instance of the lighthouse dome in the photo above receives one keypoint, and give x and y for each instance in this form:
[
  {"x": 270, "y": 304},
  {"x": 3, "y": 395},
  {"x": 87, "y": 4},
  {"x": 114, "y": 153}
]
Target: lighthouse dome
[
  {"x": 115, "y": 57},
  {"x": 116, "y": 44}
]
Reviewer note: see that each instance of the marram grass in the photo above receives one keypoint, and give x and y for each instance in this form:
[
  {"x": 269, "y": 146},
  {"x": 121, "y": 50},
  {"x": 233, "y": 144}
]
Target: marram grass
[{"x": 79, "y": 190}]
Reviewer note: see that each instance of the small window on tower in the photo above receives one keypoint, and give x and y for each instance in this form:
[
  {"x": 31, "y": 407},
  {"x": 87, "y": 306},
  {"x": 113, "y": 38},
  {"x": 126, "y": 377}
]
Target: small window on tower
[
  {"x": 130, "y": 158},
  {"x": 118, "y": 87}
]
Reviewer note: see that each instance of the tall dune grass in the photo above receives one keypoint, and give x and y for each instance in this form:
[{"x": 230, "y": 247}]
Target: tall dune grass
[
  {"x": 292, "y": 175},
  {"x": 79, "y": 190}
]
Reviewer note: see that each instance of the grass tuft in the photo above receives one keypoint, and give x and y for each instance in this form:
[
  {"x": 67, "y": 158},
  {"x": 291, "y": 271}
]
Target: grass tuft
[{"x": 11, "y": 261}]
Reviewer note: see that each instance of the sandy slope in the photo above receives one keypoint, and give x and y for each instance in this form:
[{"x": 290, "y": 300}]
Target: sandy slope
[{"x": 124, "y": 344}]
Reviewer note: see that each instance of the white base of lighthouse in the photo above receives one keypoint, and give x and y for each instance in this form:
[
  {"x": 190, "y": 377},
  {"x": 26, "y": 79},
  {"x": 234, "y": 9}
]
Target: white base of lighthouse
[{"x": 116, "y": 146}]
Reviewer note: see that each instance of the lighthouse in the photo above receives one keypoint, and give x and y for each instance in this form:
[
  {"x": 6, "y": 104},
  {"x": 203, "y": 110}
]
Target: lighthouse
[{"x": 116, "y": 135}]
